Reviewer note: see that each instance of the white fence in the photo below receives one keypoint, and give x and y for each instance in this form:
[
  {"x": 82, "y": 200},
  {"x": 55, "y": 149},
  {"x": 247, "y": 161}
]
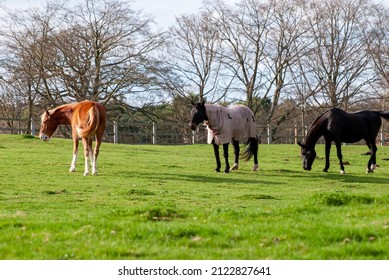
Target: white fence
[{"x": 165, "y": 133}]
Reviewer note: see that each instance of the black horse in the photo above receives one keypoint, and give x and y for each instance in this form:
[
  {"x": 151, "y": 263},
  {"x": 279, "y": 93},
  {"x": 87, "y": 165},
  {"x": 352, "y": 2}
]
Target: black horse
[
  {"x": 227, "y": 125},
  {"x": 339, "y": 126}
]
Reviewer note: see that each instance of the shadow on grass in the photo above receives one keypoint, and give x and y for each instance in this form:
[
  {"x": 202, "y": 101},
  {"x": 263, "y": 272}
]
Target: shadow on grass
[
  {"x": 346, "y": 178},
  {"x": 207, "y": 178}
]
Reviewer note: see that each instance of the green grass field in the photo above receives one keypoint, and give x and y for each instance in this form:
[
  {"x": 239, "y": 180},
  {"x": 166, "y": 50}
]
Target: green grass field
[{"x": 166, "y": 202}]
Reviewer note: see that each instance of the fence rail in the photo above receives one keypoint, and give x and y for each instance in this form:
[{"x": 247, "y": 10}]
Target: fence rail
[{"x": 165, "y": 133}]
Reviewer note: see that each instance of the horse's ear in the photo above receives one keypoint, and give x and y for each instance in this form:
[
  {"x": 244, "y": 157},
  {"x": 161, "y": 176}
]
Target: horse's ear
[
  {"x": 193, "y": 104},
  {"x": 301, "y": 145},
  {"x": 47, "y": 113},
  {"x": 202, "y": 103}
]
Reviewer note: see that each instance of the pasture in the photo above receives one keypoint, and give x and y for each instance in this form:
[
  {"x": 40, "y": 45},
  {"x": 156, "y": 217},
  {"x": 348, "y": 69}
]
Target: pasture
[{"x": 166, "y": 202}]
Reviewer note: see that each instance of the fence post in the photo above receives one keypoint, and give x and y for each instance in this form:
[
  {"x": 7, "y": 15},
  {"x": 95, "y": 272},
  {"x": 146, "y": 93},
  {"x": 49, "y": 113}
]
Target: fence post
[
  {"x": 115, "y": 132},
  {"x": 295, "y": 134},
  {"x": 32, "y": 127},
  {"x": 193, "y": 136},
  {"x": 268, "y": 134},
  {"x": 154, "y": 133}
]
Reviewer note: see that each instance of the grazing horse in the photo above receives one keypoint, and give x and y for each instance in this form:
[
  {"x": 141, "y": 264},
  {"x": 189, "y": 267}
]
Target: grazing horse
[
  {"x": 339, "y": 126},
  {"x": 227, "y": 125},
  {"x": 87, "y": 119}
]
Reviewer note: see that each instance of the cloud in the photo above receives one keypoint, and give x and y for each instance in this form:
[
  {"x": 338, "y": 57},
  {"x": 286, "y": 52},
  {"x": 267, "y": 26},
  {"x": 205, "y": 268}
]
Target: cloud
[{"x": 166, "y": 11}]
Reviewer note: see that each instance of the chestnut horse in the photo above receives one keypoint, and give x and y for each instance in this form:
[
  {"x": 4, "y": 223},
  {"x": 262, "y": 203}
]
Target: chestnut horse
[{"x": 87, "y": 119}]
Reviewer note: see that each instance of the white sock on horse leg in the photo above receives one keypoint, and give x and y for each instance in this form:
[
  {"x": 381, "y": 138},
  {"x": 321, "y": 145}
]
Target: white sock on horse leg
[
  {"x": 73, "y": 164},
  {"x": 235, "y": 166}
]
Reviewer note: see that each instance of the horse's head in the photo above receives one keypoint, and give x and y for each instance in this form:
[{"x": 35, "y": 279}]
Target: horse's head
[
  {"x": 198, "y": 114},
  {"x": 48, "y": 126},
  {"x": 308, "y": 155}
]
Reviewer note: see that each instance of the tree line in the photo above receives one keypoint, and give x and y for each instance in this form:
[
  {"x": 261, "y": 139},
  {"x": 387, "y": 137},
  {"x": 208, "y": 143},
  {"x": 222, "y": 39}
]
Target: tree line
[{"x": 285, "y": 59}]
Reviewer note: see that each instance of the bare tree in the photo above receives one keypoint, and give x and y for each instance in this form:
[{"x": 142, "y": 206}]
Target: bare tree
[
  {"x": 262, "y": 40},
  {"x": 286, "y": 42},
  {"x": 99, "y": 50},
  {"x": 105, "y": 52},
  {"x": 25, "y": 48},
  {"x": 196, "y": 45},
  {"x": 377, "y": 39},
  {"x": 244, "y": 31},
  {"x": 336, "y": 68}
]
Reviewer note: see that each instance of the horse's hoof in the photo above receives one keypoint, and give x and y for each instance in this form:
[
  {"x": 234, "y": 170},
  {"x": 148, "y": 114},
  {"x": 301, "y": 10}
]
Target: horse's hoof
[
  {"x": 227, "y": 171},
  {"x": 255, "y": 167},
  {"x": 217, "y": 170},
  {"x": 342, "y": 172},
  {"x": 72, "y": 169},
  {"x": 325, "y": 170},
  {"x": 369, "y": 171},
  {"x": 86, "y": 173},
  {"x": 234, "y": 167}
]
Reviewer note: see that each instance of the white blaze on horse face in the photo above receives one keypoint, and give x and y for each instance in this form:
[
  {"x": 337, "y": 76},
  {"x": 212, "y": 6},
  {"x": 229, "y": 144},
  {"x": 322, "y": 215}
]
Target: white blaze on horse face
[{"x": 44, "y": 137}]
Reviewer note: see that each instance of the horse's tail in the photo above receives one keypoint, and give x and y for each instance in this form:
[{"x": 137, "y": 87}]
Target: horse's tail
[
  {"x": 250, "y": 149},
  {"x": 384, "y": 114},
  {"x": 93, "y": 122}
]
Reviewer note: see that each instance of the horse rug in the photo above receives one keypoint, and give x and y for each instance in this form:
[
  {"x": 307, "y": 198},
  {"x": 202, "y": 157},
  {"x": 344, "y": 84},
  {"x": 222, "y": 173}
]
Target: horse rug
[{"x": 226, "y": 124}]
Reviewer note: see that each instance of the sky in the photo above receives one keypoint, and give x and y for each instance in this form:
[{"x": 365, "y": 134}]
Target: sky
[{"x": 163, "y": 11}]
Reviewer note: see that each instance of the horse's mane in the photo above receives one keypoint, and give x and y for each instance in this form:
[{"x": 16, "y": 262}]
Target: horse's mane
[
  {"x": 60, "y": 107},
  {"x": 61, "y": 113},
  {"x": 312, "y": 135},
  {"x": 319, "y": 117}
]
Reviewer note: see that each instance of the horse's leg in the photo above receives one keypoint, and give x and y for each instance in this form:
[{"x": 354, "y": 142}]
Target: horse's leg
[
  {"x": 225, "y": 154},
  {"x": 217, "y": 156},
  {"x": 96, "y": 154},
  {"x": 91, "y": 153},
  {"x": 340, "y": 156},
  {"x": 85, "y": 142},
  {"x": 255, "y": 145},
  {"x": 327, "y": 152},
  {"x": 235, "y": 144},
  {"x": 75, "y": 152},
  {"x": 371, "y": 164}
]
